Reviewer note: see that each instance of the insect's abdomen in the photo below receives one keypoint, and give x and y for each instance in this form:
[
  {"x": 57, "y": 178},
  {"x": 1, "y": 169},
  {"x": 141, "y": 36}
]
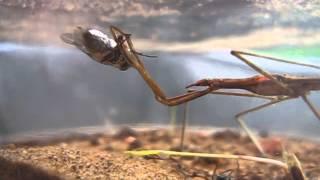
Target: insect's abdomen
[{"x": 104, "y": 50}]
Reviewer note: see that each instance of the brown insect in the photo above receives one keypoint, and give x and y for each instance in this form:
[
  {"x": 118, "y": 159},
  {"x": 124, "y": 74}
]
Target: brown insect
[
  {"x": 120, "y": 53},
  {"x": 273, "y": 87}
]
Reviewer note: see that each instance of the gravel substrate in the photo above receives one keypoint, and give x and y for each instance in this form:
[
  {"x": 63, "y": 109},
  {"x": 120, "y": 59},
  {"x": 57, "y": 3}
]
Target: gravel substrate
[
  {"x": 64, "y": 161},
  {"x": 101, "y": 156}
]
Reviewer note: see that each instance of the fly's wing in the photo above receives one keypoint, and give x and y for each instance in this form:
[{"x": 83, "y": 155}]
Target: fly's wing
[
  {"x": 98, "y": 46},
  {"x": 67, "y": 38}
]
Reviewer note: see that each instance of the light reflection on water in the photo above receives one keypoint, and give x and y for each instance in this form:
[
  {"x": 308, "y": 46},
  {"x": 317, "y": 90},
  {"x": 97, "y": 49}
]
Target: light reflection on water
[{"x": 14, "y": 47}]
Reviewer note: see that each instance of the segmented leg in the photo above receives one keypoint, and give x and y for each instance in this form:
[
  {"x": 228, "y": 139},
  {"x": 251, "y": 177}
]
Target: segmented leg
[
  {"x": 245, "y": 127},
  {"x": 238, "y": 54},
  {"x": 133, "y": 58},
  {"x": 276, "y": 59},
  {"x": 311, "y": 106},
  {"x": 184, "y": 124},
  {"x": 127, "y": 50},
  {"x": 240, "y": 94},
  {"x": 243, "y": 95}
]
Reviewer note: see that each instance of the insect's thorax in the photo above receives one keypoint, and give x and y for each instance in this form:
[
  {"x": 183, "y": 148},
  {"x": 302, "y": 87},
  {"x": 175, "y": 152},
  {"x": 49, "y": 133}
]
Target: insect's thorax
[
  {"x": 116, "y": 59},
  {"x": 303, "y": 85},
  {"x": 296, "y": 84},
  {"x": 257, "y": 84},
  {"x": 104, "y": 50}
]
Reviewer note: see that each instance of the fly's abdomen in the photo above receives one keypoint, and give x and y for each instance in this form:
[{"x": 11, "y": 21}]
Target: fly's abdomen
[
  {"x": 96, "y": 41},
  {"x": 98, "y": 46}
]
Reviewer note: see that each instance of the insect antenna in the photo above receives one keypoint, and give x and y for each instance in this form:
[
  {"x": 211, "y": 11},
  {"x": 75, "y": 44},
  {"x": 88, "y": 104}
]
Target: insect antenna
[{"x": 141, "y": 54}]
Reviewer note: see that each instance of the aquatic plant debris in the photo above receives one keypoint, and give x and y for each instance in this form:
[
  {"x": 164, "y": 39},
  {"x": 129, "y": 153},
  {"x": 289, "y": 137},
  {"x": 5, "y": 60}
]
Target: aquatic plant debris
[{"x": 206, "y": 155}]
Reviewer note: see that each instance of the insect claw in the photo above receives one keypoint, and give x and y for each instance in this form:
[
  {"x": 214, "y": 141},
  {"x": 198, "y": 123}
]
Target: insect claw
[
  {"x": 203, "y": 82},
  {"x": 191, "y": 90},
  {"x": 191, "y": 85}
]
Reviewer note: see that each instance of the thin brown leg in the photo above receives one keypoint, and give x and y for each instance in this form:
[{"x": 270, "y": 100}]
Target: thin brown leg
[
  {"x": 243, "y": 95},
  {"x": 182, "y": 98},
  {"x": 238, "y": 54},
  {"x": 184, "y": 124},
  {"x": 277, "y": 59},
  {"x": 128, "y": 50},
  {"x": 274, "y": 100},
  {"x": 311, "y": 106},
  {"x": 245, "y": 127},
  {"x": 240, "y": 94}
]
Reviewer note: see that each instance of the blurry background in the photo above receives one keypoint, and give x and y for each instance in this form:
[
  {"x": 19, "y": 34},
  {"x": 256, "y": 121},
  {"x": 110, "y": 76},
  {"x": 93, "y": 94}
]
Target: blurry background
[{"x": 48, "y": 85}]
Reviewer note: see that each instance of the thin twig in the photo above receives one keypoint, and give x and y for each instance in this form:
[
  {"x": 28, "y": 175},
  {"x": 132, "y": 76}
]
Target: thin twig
[{"x": 207, "y": 155}]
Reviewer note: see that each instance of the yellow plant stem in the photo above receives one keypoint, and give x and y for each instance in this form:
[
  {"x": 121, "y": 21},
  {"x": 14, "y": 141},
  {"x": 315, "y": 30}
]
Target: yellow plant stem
[
  {"x": 207, "y": 155},
  {"x": 294, "y": 166}
]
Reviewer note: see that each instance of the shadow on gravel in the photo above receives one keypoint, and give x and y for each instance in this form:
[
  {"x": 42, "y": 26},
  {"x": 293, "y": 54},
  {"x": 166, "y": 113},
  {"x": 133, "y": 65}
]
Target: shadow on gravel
[{"x": 10, "y": 170}]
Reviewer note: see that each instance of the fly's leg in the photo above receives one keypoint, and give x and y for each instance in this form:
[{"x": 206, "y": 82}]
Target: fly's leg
[
  {"x": 243, "y": 125},
  {"x": 311, "y": 106}
]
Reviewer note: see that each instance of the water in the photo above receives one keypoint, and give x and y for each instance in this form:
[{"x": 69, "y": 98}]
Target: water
[
  {"x": 56, "y": 88},
  {"x": 47, "y": 85}
]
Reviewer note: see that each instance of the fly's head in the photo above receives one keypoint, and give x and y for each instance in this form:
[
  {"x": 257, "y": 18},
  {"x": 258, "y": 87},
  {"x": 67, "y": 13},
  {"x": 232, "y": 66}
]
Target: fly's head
[{"x": 99, "y": 46}]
